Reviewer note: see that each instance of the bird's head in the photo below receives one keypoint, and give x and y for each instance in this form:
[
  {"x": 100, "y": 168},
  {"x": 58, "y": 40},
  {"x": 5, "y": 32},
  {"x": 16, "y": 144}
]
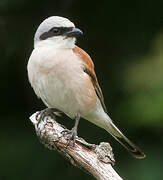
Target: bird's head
[{"x": 56, "y": 31}]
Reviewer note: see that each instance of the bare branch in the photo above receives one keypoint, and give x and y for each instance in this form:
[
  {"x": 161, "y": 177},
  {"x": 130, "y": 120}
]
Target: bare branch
[{"x": 95, "y": 159}]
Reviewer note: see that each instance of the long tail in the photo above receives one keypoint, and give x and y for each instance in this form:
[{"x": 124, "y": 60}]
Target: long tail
[{"x": 124, "y": 141}]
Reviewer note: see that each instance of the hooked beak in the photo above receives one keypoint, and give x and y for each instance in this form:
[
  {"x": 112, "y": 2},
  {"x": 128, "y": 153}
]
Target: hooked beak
[{"x": 75, "y": 32}]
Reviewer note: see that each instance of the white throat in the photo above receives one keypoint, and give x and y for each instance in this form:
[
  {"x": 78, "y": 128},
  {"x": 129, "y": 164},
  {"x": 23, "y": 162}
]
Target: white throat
[{"x": 56, "y": 42}]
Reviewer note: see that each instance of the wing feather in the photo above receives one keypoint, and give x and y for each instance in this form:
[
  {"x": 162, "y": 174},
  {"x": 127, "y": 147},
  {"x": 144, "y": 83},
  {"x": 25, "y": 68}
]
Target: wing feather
[{"x": 89, "y": 69}]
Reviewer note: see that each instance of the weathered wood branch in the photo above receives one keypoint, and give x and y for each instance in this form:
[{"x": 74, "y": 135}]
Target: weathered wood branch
[{"x": 95, "y": 159}]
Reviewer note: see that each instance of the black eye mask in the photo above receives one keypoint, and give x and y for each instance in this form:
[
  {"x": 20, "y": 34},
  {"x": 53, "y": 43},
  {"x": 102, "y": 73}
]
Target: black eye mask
[{"x": 55, "y": 31}]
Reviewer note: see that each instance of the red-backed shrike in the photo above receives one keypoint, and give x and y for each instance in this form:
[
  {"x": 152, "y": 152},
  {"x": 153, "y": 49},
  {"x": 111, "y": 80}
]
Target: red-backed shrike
[{"x": 63, "y": 76}]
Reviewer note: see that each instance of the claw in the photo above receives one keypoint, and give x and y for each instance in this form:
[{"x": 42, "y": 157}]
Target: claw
[
  {"x": 46, "y": 112},
  {"x": 70, "y": 135}
]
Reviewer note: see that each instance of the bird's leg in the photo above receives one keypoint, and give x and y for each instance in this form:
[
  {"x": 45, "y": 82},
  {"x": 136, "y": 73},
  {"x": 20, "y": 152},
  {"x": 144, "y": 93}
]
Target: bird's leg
[
  {"x": 72, "y": 134},
  {"x": 46, "y": 112}
]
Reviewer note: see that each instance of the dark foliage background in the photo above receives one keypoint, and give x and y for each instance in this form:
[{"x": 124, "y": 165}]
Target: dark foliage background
[{"x": 125, "y": 40}]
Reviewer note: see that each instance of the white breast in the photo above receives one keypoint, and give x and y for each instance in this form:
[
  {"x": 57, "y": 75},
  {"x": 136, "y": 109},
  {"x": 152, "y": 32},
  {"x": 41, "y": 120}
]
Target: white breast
[{"x": 57, "y": 77}]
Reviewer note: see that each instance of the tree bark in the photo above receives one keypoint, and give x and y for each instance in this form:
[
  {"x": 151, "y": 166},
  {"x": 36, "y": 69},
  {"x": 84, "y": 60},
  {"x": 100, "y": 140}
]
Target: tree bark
[{"x": 97, "y": 160}]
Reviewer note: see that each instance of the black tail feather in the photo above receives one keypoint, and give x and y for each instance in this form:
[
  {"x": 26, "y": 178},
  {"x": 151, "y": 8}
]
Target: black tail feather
[{"x": 124, "y": 141}]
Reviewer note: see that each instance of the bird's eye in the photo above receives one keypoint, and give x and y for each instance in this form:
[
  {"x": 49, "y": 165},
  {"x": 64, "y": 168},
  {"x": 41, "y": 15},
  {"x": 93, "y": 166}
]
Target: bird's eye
[{"x": 55, "y": 30}]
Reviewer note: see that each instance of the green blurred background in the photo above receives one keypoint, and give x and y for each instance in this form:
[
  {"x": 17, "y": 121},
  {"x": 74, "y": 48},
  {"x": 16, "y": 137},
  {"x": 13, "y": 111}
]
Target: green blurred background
[{"x": 125, "y": 40}]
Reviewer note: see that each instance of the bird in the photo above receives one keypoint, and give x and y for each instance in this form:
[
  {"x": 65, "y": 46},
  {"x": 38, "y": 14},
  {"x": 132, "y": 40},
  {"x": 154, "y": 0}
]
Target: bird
[{"x": 62, "y": 74}]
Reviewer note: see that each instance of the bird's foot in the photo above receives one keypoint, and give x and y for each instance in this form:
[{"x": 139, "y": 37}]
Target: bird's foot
[
  {"x": 44, "y": 113},
  {"x": 70, "y": 135}
]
